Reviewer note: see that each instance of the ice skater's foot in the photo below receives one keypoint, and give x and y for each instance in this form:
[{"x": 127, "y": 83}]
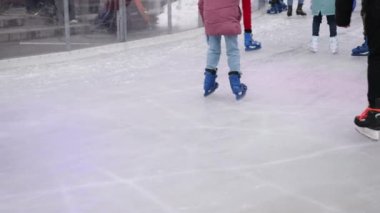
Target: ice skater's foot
[
  {"x": 209, "y": 84},
  {"x": 314, "y": 44},
  {"x": 299, "y": 10},
  {"x": 276, "y": 8},
  {"x": 361, "y": 50},
  {"x": 238, "y": 89},
  {"x": 368, "y": 123},
  {"x": 334, "y": 45},
  {"x": 251, "y": 44}
]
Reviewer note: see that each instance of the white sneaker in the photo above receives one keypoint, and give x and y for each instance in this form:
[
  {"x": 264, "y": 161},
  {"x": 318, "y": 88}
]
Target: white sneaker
[
  {"x": 334, "y": 45},
  {"x": 314, "y": 44}
]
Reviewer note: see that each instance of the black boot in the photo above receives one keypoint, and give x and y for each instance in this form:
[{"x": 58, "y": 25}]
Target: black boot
[
  {"x": 290, "y": 10},
  {"x": 299, "y": 10}
]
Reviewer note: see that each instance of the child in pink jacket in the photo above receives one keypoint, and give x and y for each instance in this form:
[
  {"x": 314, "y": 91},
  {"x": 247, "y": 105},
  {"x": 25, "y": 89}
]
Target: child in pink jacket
[{"x": 222, "y": 18}]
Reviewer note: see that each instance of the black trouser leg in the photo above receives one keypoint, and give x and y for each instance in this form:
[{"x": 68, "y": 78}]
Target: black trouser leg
[
  {"x": 374, "y": 81},
  {"x": 364, "y": 30},
  {"x": 60, "y": 10},
  {"x": 332, "y": 24},
  {"x": 373, "y": 32},
  {"x": 31, "y": 5},
  {"x": 274, "y": 2},
  {"x": 71, "y": 9},
  {"x": 317, "y": 20}
]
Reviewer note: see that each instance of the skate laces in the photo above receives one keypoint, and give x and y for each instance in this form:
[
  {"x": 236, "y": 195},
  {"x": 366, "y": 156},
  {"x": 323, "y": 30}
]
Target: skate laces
[{"x": 364, "y": 114}]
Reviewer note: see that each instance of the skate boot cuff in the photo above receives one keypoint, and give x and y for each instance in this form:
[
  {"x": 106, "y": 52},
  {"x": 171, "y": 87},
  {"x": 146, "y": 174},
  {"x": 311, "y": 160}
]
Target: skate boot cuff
[
  {"x": 234, "y": 73},
  {"x": 212, "y": 71}
]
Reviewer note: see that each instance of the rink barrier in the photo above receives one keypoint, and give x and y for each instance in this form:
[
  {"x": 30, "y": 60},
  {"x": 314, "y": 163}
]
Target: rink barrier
[
  {"x": 68, "y": 30},
  {"x": 79, "y": 54}
]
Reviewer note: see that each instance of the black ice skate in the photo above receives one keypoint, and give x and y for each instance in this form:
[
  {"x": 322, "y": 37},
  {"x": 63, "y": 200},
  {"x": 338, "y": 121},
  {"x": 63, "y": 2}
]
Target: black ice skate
[{"x": 368, "y": 123}]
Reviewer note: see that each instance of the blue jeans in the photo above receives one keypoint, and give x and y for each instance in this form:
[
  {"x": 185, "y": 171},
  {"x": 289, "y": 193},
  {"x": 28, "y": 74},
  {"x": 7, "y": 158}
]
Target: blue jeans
[
  {"x": 214, "y": 51},
  {"x": 290, "y": 2}
]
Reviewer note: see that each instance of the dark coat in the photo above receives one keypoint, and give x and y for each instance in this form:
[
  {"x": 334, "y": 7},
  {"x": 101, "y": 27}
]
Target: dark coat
[{"x": 343, "y": 12}]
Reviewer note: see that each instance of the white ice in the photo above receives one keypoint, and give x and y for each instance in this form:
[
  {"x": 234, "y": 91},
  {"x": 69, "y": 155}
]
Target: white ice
[{"x": 125, "y": 128}]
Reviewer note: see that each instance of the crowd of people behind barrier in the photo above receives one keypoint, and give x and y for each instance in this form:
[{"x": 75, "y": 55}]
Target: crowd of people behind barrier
[{"x": 106, "y": 9}]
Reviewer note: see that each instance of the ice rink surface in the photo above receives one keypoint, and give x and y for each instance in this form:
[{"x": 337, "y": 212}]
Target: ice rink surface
[{"x": 125, "y": 128}]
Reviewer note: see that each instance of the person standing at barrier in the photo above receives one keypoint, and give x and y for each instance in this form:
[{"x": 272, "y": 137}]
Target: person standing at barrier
[
  {"x": 31, "y": 6},
  {"x": 61, "y": 12},
  {"x": 249, "y": 43},
  {"x": 368, "y": 123},
  {"x": 222, "y": 19}
]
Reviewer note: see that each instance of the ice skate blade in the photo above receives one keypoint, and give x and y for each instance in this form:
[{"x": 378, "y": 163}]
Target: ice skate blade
[
  {"x": 360, "y": 54},
  {"x": 242, "y": 94},
  {"x": 252, "y": 48},
  {"x": 372, "y": 134}
]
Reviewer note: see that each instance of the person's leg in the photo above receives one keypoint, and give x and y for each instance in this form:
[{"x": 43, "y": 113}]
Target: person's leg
[
  {"x": 299, "y": 10},
  {"x": 213, "y": 56},
  {"x": 315, "y": 32},
  {"x": 368, "y": 123},
  {"x": 233, "y": 53},
  {"x": 60, "y": 11},
  {"x": 374, "y": 79},
  {"x": 31, "y": 5},
  {"x": 28, "y": 5},
  {"x": 317, "y": 20},
  {"x": 333, "y": 34},
  {"x": 373, "y": 33},
  {"x": 71, "y": 10},
  {"x": 213, "y": 52},
  {"x": 275, "y": 2},
  {"x": 331, "y": 21},
  {"x": 364, "y": 24},
  {"x": 362, "y": 50},
  {"x": 233, "y": 57},
  {"x": 274, "y": 8},
  {"x": 290, "y": 8}
]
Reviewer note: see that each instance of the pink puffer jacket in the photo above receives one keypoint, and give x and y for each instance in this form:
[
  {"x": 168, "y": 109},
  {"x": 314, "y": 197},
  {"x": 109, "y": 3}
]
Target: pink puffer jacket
[{"x": 220, "y": 17}]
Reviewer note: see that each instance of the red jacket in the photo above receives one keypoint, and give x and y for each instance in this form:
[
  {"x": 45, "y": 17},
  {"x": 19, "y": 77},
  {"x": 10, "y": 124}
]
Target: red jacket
[{"x": 220, "y": 17}]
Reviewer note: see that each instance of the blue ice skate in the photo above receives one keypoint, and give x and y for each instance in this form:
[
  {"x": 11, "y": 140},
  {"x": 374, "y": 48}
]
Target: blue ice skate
[
  {"x": 251, "y": 44},
  {"x": 283, "y": 6},
  {"x": 277, "y": 8},
  {"x": 238, "y": 89},
  {"x": 361, "y": 50},
  {"x": 210, "y": 85},
  {"x": 274, "y": 9}
]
